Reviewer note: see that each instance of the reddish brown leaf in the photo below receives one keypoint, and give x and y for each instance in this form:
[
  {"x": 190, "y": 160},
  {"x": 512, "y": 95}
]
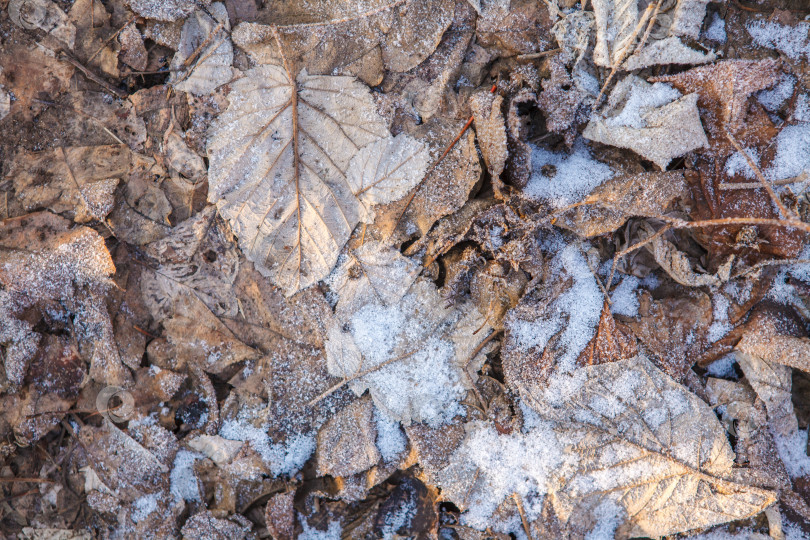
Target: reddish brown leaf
[{"x": 612, "y": 342}]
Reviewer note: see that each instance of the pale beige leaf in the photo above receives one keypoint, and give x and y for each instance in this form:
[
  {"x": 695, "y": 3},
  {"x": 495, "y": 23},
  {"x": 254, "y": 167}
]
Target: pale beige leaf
[
  {"x": 385, "y": 171},
  {"x": 615, "y": 22},
  {"x": 676, "y": 264},
  {"x": 659, "y": 134},
  {"x": 666, "y": 51},
  {"x": 279, "y": 158},
  {"x": 165, "y": 10},
  {"x": 490, "y": 128},
  {"x": 362, "y": 39},
  {"x": 772, "y": 382},
  {"x": 788, "y": 351},
  {"x": 212, "y": 67},
  {"x": 627, "y": 438},
  {"x": 43, "y": 15},
  {"x": 687, "y": 18},
  {"x": 80, "y": 180}
]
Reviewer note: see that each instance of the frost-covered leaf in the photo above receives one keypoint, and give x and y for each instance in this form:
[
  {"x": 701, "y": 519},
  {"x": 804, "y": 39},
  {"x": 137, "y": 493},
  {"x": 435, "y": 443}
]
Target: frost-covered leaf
[
  {"x": 621, "y": 435},
  {"x": 279, "y": 158},
  {"x": 546, "y": 332},
  {"x": 666, "y": 51},
  {"x": 611, "y": 342},
  {"x": 210, "y": 66},
  {"x": 723, "y": 90},
  {"x": 165, "y": 10},
  {"x": 80, "y": 179},
  {"x": 405, "y": 344},
  {"x": 609, "y": 206},
  {"x": 653, "y": 121},
  {"x": 198, "y": 257},
  {"x": 490, "y": 128},
  {"x": 615, "y": 24},
  {"x": 329, "y": 37},
  {"x": 43, "y": 15},
  {"x": 346, "y": 442},
  {"x": 385, "y": 171},
  {"x": 677, "y": 265}
]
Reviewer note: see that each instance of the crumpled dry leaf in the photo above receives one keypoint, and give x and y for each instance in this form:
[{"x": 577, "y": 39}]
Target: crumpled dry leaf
[
  {"x": 80, "y": 180},
  {"x": 513, "y": 27},
  {"x": 393, "y": 335},
  {"x": 673, "y": 329},
  {"x": 133, "y": 50},
  {"x": 611, "y": 343},
  {"x": 279, "y": 515},
  {"x": 205, "y": 53},
  {"x": 442, "y": 191},
  {"x": 659, "y": 131},
  {"x": 666, "y": 51},
  {"x": 724, "y": 89},
  {"x": 621, "y": 435},
  {"x": 329, "y": 37},
  {"x": 677, "y": 265},
  {"x": 280, "y": 156},
  {"x": 490, "y": 128},
  {"x": 619, "y": 198},
  {"x": 43, "y": 15},
  {"x": 69, "y": 271},
  {"x": 199, "y": 258},
  {"x": 95, "y": 43},
  {"x": 346, "y": 443},
  {"x": 615, "y": 24}
]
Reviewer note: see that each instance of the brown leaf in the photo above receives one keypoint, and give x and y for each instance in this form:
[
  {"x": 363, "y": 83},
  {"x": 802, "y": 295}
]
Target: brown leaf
[
  {"x": 279, "y": 516},
  {"x": 611, "y": 204},
  {"x": 611, "y": 343},
  {"x": 724, "y": 90},
  {"x": 346, "y": 443},
  {"x": 664, "y": 327},
  {"x": 490, "y": 128}
]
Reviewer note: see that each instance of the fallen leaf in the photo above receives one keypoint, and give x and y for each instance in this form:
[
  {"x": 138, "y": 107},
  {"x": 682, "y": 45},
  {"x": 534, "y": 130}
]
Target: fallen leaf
[
  {"x": 43, "y": 15},
  {"x": 165, "y": 10},
  {"x": 280, "y": 516},
  {"x": 668, "y": 129},
  {"x": 204, "y": 56},
  {"x": 80, "y": 180},
  {"x": 401, "y": 342},
  {"x": 293, "y": 208},
  {"x": 362, "y": 40},
  {"x": 611, "y": 343},
  {"x": 612, "y": 203},
  {"x": 346, "y": 443},
  {"x": 624, "y": 436},
  {"x": 490, "y": 128},
  {"x": 666, "y": 51}
]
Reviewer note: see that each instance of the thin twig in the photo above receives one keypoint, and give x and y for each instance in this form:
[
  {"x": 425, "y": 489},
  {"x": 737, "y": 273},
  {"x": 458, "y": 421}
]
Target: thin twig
[
  {"x": 533, "y": 56},
  {"x": 198, "y": 51},
  {"x": 523, "y": 519},
  {"x": 65, "y": 57},
  {"x": 433, "y": 167},
  {"x": 803, "y": 177},
  {"x": 331, "y": 390},
  {"x": 765, "y": 184}
]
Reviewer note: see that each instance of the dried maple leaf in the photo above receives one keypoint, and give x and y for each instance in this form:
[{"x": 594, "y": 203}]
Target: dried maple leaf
[
  {"x": 621, "y": 435},
  {"x": 280, "y": 158},
  {"x": 611, "y": 343},
  {"x": 205, "y": 53}
]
